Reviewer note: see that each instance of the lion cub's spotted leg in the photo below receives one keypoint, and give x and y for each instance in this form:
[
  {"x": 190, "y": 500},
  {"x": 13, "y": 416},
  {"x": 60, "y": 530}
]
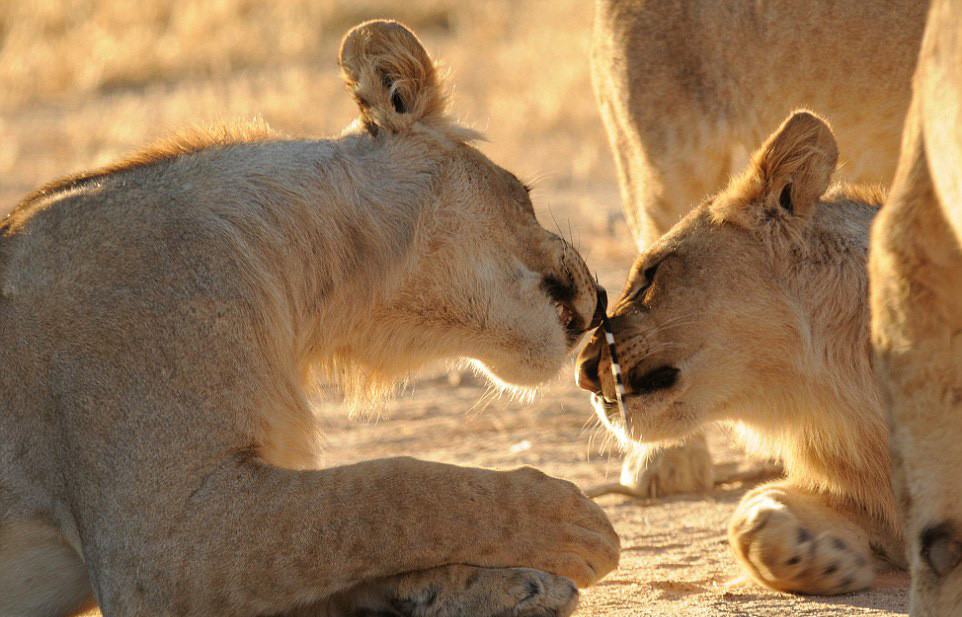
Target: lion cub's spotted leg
[
  {"x": 792, "y": 541},
  {"x": 678, "y": 469},
  {"x": 456, "y": 591}
]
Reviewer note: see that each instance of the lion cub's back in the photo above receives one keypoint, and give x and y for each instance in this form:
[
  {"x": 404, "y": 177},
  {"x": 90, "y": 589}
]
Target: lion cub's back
[
  {"x": 176, "y": 222},
  {"x": 88, "y": 263}
]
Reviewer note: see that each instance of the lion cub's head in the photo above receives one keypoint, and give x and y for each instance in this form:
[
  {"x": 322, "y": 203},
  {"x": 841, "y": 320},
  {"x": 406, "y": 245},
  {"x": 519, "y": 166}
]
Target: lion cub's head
[
  {"x": 753, "y": 307},
  {"x": 481, "y": 279}
]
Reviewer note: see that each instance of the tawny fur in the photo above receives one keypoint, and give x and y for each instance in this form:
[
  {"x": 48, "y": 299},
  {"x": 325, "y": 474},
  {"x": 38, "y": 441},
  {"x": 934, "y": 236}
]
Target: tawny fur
[
  {"x": 758, "y": 299},
  {"x": 687, "y": 90},
  {"x": 160, "y": 321},
  {"x": 916, "y": 284}
]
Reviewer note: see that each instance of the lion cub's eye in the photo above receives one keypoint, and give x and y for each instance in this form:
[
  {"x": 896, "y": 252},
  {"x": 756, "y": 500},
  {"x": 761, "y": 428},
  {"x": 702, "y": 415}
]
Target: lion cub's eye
[{"x": 649, "y": 275}]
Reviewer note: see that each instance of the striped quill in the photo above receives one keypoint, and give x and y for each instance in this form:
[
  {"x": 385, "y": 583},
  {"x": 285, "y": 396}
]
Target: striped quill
[{"x": 616, "y": 372}]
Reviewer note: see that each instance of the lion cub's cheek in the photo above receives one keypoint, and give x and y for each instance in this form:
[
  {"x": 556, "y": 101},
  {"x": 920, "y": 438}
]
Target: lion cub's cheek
[
  {"x": 528, "y": 367},
  {"x": 528, "y": 357}
]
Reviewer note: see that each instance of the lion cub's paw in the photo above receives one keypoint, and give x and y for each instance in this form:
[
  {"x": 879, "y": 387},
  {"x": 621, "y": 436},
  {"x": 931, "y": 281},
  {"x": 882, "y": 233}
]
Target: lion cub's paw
[
  {"x": 539, "y": 594},
  {"x": 674, "y": 470},
  {"x": 782, "y": 554},
  {"x": 455, "y": 591}
]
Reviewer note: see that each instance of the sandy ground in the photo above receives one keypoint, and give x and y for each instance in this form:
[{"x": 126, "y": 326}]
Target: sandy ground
[
  {"x": 86, "y": 82},
  {"x": 675, "y": 558}
]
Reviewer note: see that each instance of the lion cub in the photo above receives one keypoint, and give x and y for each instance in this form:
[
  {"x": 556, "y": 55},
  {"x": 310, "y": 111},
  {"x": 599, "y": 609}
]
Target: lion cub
[
  {"x": 753, "y": 310},
  {"x": 159, "y": 320}
]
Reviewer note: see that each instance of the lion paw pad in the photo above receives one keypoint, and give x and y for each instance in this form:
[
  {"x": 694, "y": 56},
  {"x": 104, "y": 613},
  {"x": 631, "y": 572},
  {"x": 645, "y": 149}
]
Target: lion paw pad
[{"x": 786, "y": 556}]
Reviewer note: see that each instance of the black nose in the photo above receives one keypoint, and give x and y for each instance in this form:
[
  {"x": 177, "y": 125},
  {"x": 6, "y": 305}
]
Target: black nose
[
  {"x": 587, "y": 374},
  {"x": 600, "y": 308}
]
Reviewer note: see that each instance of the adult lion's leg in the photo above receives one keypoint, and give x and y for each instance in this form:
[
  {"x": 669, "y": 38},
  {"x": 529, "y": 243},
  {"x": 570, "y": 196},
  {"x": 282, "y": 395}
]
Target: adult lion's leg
[
  {"x": 664, "y": 170},
  {"x": 670, "y": 151},
  {"x": 657, "y": 471},
  {"x": 916, "y": 281},
  {"x": 670, "y": 148},
  {"x": 916, "y": 270},
  {"x": 455, "y": 591},
  {"x": 791, "y": 540}
]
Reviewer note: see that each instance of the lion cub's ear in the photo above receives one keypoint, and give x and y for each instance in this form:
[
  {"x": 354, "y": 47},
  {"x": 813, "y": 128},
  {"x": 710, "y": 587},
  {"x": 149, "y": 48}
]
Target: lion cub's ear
[
  {"x": 796, "y": 164},
  {"x": 390, "y": 75}
]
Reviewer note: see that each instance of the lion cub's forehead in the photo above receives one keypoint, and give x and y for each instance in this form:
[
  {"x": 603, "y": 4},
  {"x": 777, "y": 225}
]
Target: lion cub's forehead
[
  {"x": 490, "y": 181},
  {"x": 696, "y": 238}
]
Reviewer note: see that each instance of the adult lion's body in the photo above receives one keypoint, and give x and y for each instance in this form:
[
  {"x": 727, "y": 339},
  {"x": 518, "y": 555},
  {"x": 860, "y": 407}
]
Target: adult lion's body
[
  {"x": 158, "y": 321},
  {"x": 687, "y": 89},
  {"x": 916, "y": 281},
  {"x": 753, "y": 311}
]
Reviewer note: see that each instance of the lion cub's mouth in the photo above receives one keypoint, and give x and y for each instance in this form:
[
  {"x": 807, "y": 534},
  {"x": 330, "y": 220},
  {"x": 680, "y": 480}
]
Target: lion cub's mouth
[
  {"x": 639, "y": 384},
  {"x": 571, "y": 323},
  {"x": 562, "y": 297},
  {"x": 565, "y": 315}
]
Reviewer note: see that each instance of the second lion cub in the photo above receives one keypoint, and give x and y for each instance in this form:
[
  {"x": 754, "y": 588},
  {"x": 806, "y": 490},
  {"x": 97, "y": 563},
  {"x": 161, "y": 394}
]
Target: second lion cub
[{"x": 753, "y": 311}]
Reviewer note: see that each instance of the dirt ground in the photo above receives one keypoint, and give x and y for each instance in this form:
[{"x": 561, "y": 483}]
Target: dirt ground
[
  {"x": 84, "y": 82},
  {"x": 675, "y": 558}
]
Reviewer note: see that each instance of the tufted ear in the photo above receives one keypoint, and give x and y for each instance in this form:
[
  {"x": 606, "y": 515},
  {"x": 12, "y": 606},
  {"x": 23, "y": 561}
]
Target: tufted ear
[
  {"x": 796, "y": 163},
  {"x": 390, "y": 75}
]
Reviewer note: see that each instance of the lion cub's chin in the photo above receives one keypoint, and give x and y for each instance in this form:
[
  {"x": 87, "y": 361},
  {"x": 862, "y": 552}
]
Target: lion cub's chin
[
  {"x": 540, "y": 359},
  {"x": 655, "y": 417},
  {"x": 519, "y": 377}
]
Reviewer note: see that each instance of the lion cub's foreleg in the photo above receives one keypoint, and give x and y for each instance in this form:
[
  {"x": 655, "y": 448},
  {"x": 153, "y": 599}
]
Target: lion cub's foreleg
[
  {"x": 790, "y": 540},
  {"x": 455, "y": 591}
]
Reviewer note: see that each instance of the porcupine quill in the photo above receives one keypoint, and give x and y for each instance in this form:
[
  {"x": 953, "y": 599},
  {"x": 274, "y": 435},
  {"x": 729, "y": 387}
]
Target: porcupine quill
[{"x": 616, "y": 373}]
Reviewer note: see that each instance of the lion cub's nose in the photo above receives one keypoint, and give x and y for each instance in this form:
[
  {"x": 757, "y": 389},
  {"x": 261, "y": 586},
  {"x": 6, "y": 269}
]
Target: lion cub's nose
[
  {"x": 586, "y": 375},
  {"x": 600, "y": 308}
]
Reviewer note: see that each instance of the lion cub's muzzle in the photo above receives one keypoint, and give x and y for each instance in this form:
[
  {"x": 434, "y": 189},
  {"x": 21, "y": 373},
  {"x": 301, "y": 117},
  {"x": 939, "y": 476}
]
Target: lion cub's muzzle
[
  {"x": 587, "y": 373},
  {"x": 594, "y": 368}
]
